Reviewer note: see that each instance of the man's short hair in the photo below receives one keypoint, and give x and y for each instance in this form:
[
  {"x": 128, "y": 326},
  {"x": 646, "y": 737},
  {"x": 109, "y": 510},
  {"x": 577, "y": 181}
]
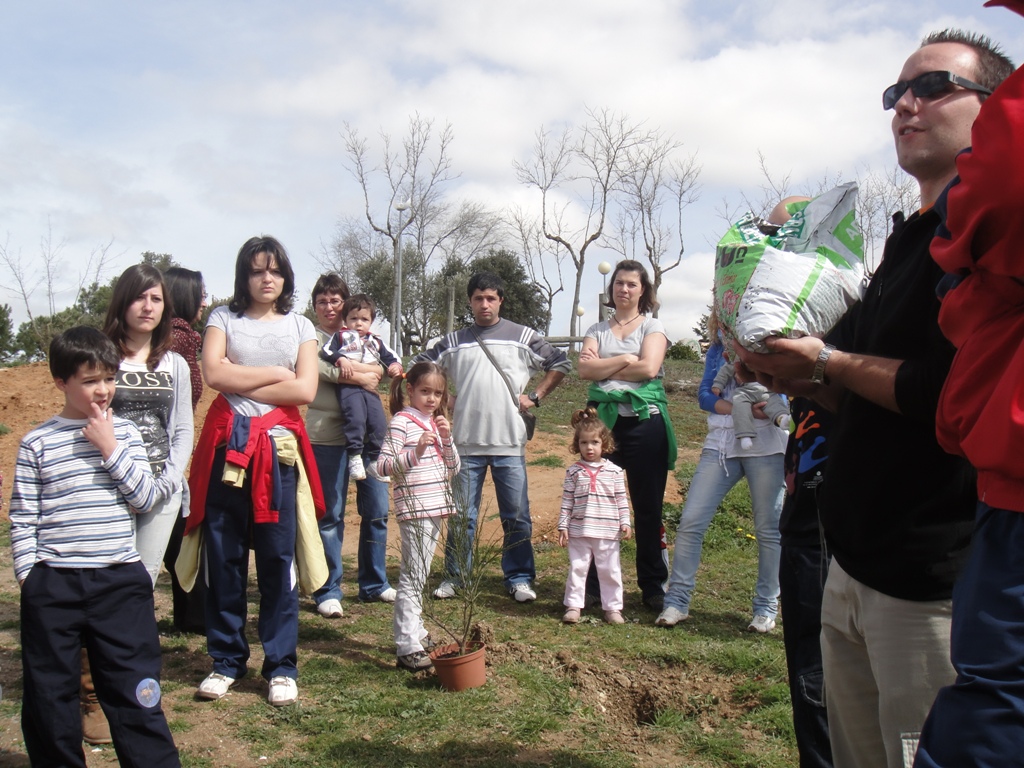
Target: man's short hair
[
  {"x": 82, "y": 346},
  {"x": 330, "y": 283},
  {"x": 993, "y": 66},
  {"x": 359, "y": 301},
  {"x": 485, "y": 281}
]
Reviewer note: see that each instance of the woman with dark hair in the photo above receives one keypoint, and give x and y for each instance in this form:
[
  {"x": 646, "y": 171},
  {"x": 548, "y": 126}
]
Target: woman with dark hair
[
  {"x": 153, "y": 391},
  {"x": 623, "y": 358},
  {"x": 254, "y": 481},
  {"x": 187, "y": 299},
  {"x": 187, "y": 296}
]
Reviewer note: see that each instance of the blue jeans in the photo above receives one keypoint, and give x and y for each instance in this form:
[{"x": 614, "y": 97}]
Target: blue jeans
[
  {"x": 372, "y": 503},
  {"x": 712, "y": 480},
  {"x": 509, "y": 476}
]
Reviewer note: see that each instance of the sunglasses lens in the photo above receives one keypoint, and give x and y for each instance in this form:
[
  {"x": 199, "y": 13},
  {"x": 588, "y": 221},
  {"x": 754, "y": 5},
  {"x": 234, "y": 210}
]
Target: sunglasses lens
[
  {"x": 892, "y": 94},
  {"x": 922, "y": 86}
]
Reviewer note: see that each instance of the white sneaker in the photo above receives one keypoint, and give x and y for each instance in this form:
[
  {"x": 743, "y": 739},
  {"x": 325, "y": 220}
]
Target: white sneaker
[
  {"x": 761, "y": 624},
  {"x": 330, "y": 609},
  {"x": 371, "y": 472},
  {"x": 388, "y": 595},
  {"x": 445, "y": 590},
  {"x": 283, "y": 691},
  {"x": 356, "y": 470},
  {"x": 523, "y": 593},
  {"x": 746, "y": 443},
  {"x": 670, "y": 617},
  {"x": 214, "y": 687},
  {"x": 784, "y": 421}
]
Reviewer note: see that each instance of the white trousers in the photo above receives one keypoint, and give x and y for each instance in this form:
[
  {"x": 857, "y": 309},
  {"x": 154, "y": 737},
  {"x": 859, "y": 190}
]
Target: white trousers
[
  {"x": 153, "y": 531},
  {"x": 419, "y": 543},
  {"x": 605, "y": 554}
]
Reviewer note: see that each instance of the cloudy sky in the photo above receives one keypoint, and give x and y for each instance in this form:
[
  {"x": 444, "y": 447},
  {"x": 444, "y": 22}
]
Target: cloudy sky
[{"x": 186, "y": 127}]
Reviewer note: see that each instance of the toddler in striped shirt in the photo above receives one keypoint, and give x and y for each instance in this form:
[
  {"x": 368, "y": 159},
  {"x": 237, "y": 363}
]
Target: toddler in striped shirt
[{"x": 594, "y": 517}]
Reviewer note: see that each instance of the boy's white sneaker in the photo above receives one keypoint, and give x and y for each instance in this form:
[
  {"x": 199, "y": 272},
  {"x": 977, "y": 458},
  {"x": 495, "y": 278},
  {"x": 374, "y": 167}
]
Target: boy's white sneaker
[
  {"x": 283, "y": 691},
  {"x": 388, "y": 595},
  {"x": 746, "y": 443},
  {"x": 214, "y": 687},
  {"x": 523, "y": 593},
  {"x": 356, "y": 470},
  {"x": 670, "y": 617},
  {"x": 445, "y": 590}
]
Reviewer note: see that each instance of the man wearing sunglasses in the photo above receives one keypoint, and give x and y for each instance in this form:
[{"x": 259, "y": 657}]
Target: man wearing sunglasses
[{"x": 896, "y": 510}]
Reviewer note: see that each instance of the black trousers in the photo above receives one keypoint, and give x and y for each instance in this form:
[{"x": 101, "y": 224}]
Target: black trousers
[{"x": 109, "y": 611}]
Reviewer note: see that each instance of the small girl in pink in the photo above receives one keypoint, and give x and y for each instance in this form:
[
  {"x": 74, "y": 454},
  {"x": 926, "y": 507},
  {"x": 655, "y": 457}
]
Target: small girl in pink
[
  {"x": 419, "y": 454},
  {"x": 593, "y": 519}
]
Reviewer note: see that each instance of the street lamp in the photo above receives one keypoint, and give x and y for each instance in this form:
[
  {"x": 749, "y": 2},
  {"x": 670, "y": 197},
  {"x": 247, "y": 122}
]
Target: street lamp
[
  {"x": 603, "y": 311},
  {"x": 396, "y": 325}
]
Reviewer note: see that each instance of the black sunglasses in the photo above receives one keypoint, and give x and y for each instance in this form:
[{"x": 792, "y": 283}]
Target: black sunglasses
[{"x": 927, "y": 85}]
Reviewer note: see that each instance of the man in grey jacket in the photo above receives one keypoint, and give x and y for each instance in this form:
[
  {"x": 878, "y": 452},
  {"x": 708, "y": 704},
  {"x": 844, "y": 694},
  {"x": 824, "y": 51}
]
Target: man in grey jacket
[{"x": 488, "y": 427}]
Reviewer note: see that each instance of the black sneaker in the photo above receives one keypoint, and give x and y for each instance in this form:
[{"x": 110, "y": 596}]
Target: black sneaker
[
  {"x": 655, "y": 602},
  {"x": 415, "y": 661}
]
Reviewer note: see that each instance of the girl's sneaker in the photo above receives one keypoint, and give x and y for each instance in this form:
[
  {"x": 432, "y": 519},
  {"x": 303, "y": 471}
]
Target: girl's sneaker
[
  {"x": 614, "y": 617},
  {"x": 415, "y": 661},
  {"x": 571, "y": 616}
]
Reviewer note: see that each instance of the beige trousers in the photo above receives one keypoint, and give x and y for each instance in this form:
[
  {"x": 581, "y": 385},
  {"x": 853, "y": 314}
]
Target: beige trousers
[{"x": 884, "y": 661}]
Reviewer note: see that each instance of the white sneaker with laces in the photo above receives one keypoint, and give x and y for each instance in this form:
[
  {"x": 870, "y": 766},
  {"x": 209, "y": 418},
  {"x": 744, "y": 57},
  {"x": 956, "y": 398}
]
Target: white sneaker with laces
[
  {"x": 388, "y": 595},
  {"x": 670, "y": 617},
  {"x": 283, "y": 691},
  {"x": 214, "y": 687},
  {"x": 356, "y": 470},
  {"x": 761, "y": 624},
  {"x": 330, "y": 609},
  {"x": 523, "y": 593},
  {"x": 445, "y": 590}
]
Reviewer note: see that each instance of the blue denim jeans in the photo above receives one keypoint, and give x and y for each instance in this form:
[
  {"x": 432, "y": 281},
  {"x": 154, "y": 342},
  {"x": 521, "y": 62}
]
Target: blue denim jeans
[
  {"x": 372, "y": 504},
  {"x": 509, "y": 476},
  {"x": 713, "y": 479}
]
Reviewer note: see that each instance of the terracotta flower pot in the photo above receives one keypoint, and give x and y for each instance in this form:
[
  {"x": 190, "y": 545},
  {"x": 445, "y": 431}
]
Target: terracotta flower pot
[{"x": 457, "y": 673}]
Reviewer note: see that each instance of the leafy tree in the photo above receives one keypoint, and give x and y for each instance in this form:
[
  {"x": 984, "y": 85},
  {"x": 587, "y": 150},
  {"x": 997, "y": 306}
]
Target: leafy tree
[
  {"x": 7, "y": 346},
  {"x": 701, "y": 328},
  {"x": 524, "y": 300}
]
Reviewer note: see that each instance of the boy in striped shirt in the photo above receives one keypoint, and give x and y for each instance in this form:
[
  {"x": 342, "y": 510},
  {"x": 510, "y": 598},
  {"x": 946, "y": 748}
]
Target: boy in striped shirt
[{"x": 80, "y": 478}]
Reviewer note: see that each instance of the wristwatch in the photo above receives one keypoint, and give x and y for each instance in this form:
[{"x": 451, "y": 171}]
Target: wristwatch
[
  {"x": 534, "y": 398},
  {"x": 818, "y": 376}
]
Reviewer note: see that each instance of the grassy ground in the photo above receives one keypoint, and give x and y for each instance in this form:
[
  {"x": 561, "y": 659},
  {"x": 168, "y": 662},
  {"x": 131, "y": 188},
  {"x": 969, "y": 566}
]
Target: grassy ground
[{"x": 592, "y": 696}]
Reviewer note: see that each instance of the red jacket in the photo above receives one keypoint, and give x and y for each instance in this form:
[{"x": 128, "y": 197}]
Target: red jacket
[
  {"x": 981, "y": 410},
  {"x": 257, "y": 454}
]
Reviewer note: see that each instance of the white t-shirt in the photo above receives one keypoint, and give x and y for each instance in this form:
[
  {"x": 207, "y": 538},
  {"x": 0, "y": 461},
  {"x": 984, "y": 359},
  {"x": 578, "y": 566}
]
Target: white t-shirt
[
  {"x": 609, "y": 345},
  {"x": 260, "y": 343}
]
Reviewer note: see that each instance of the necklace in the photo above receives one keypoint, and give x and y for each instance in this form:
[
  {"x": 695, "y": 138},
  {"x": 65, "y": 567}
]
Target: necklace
[{"x": 624, "y": 324}]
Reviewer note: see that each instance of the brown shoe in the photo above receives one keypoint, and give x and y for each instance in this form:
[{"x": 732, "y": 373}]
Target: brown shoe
[
  {"x": 614, "y": 617},
  {"x": 95, "y": 728}
]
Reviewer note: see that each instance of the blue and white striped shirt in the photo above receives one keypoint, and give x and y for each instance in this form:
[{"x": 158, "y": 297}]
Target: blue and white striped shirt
[{"x": 69, "y": 507}]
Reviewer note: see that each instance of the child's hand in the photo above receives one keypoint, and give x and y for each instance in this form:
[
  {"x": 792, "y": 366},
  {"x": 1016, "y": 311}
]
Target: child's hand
[
  {"x": 426, "y": 440},
  {"x": 716, "y": 391},
  {"x": 344, "y": 366},
  {"x": 443, "y": 427},
  {"x": 395, "y": 370},
  {"x": 100, "y": 430},
  {"x": 627, "y": 532},
  {"x": 563, "y": 538}
]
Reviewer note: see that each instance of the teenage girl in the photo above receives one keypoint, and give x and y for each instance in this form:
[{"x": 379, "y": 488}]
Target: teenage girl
[
  {"x": 154, "y": 392},
  {"x": 593, "y": 518},
  {"x": 186, "y": 297},
  {"x": 419, "y": 454},
  {"x": 253, "y": 474}
]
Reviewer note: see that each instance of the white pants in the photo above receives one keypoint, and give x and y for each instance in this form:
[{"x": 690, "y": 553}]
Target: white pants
[
  {"x": 884, "y": 660},
  {"x": 419, "y": 543},
  {"x": 605, "y": 554},
  {"x": 153, "y": 531}
]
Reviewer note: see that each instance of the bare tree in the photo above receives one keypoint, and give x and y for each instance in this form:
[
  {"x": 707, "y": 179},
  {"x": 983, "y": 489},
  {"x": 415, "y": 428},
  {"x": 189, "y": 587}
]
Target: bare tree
[
  {"x": 578, "y": 173},
  {"x": 51, "y": 273},
  {"x": 653, "y": 179},
  {"x": 542, "y": 258},
  {"x": 881, "y": 196}
]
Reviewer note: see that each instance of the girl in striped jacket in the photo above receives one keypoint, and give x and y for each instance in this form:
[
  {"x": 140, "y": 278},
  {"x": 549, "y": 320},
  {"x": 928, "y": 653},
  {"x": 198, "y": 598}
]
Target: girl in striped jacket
[
  {"x": 593, "y": 518},
  {"x": 420, "y": 455}
]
